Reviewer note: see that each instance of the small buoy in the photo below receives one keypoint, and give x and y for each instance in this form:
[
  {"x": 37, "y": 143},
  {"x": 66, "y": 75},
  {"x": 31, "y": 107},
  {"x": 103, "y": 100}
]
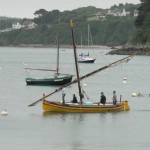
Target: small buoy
[
  {"x": 85, "y": 84},
  {"x": 4, "y": 113},
  {"x": 124, "y": 80},
  {"x": 134, "y": 94}
]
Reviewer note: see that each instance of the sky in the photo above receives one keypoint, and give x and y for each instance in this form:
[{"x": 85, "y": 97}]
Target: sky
[{"x": 26, "y": 8}]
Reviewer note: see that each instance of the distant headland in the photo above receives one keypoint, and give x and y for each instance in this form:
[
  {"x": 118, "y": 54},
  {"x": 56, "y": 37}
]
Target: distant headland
[{"x": 145, "y": 50}]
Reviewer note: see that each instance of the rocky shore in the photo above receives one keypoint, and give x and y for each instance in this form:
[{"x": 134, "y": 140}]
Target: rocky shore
[{"x": 130, "y": 50}]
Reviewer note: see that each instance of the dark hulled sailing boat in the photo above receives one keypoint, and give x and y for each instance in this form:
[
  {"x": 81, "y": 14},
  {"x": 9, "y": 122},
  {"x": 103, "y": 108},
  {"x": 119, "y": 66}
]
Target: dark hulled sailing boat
[{"x": 58, "y": 79}]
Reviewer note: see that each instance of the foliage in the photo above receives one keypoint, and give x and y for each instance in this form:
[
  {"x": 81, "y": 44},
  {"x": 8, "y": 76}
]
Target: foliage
[
  {"x": 109, "y": 32},
  {"x": 112, "y": 31},
  {"x": 55, "y": 16},
  {"x": 142, "y": 22},
  {"x": 127, "y": 6},
  {"x": 144, "y": 14},
  {"x": 142, "y": 37}
]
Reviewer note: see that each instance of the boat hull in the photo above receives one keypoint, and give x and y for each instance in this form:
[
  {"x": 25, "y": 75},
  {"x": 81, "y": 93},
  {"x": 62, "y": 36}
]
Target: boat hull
[
  {"x": 86, "y": 61},
  {"x": 49, "y": 81},
  {"x": 81, "y": 108}
]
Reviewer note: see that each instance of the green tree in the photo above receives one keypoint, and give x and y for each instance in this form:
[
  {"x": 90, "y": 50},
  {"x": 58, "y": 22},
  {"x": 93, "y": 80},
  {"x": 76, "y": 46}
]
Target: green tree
[
  {"x": 144, "y": 11},
  {"x": 40, "y": 12}
]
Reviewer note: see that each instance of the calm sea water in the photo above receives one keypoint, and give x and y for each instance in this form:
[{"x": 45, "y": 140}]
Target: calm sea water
[{"x": 28, "y": 128}]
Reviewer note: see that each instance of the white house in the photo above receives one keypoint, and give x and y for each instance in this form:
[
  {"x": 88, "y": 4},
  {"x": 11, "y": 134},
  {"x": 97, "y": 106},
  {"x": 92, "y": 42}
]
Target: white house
[
  {"x": 135, "y": 13},
  {"x": 118, "y": 12},
  {"x": 32, "y": 25},
  {"x": 123, "y": 13},
  {"x": 16, "y": 25},
  {"x": 29, "y": 24}
]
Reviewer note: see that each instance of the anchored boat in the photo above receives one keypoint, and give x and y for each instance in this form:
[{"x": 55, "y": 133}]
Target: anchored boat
[
  {"x": 85, "y": 58},
  {"x": 57, "y": 79}
]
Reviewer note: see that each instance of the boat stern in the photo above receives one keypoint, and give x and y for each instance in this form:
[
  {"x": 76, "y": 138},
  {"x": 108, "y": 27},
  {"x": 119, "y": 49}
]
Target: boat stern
[{"x": 126, "y": 105}]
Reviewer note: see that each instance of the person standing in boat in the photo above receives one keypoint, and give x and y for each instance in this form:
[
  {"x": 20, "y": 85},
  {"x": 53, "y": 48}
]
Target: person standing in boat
[
  {"x": 114, "y": 97},
  {"x": 103, "y": 98},
  {"x": 63, "y": 95}
]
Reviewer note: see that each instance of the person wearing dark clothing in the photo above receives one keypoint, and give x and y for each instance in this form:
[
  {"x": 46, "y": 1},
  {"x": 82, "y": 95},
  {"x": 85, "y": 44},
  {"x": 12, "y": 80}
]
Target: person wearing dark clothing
[
  {"x": 74, "y": 99},
  {"x": 103, "y": 98}
]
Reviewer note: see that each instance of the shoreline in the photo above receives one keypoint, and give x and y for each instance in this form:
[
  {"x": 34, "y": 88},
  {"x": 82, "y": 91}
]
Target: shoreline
[
  {"x": 143, "y": 51},
  {"x": 55, "y": 46},
  {"x": 114, "y": 50}
]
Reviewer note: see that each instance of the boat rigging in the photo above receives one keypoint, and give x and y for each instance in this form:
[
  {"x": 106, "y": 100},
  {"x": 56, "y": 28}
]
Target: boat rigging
[{"x": 56, "y": 106}]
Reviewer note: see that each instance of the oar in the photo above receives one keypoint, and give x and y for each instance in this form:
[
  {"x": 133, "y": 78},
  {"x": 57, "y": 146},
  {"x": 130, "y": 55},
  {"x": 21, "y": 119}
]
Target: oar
[{"x": 83, "y": 77}]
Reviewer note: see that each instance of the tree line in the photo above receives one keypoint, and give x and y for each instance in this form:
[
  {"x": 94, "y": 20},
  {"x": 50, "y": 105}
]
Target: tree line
[{"x": 112, "y": 31}]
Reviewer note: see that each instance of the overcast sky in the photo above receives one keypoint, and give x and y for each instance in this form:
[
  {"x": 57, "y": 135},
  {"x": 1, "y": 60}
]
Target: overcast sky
[{"x": 26, "y": 8}]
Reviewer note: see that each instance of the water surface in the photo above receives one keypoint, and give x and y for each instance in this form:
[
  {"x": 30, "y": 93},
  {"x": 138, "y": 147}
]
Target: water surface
[{"x": 28, "y": 128}]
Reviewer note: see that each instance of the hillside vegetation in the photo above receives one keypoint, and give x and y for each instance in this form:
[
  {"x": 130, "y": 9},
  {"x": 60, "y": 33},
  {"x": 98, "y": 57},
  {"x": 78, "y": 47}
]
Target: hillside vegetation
[
  {"x": 112, "y": 31},
  {"x": 142, "y": 22}
]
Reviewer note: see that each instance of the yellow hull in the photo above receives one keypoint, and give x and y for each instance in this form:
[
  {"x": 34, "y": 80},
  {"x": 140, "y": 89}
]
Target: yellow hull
[{"x": 81, "y": 108}]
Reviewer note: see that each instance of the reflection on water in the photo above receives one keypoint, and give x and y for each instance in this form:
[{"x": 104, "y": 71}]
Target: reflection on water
[
  {"x": 63, "y": 116},
  {"x": 84, "y": 116}
]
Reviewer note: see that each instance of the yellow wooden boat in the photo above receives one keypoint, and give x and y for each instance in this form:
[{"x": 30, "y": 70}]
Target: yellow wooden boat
[
  {"x": 53, "y": 106},
  {"x": 82, "y": 107}
]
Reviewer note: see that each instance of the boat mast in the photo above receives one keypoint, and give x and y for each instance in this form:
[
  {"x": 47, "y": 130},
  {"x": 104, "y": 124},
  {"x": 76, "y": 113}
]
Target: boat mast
[
  {"x": 76, "y": 64},
  {"x": 88, "y": 34},
  {"x": 89, "y": 38},
  {"x": 57, "y": 53},
  {"x": 81, "y": 40}
]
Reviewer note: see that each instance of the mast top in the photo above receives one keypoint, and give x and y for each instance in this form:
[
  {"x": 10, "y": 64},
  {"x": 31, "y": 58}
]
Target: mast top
[{"x": 71, "y": 24}]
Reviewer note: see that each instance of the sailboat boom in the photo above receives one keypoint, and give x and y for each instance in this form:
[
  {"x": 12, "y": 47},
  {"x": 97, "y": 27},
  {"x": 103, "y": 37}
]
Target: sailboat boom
[{"x": 40, "y": 69}]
